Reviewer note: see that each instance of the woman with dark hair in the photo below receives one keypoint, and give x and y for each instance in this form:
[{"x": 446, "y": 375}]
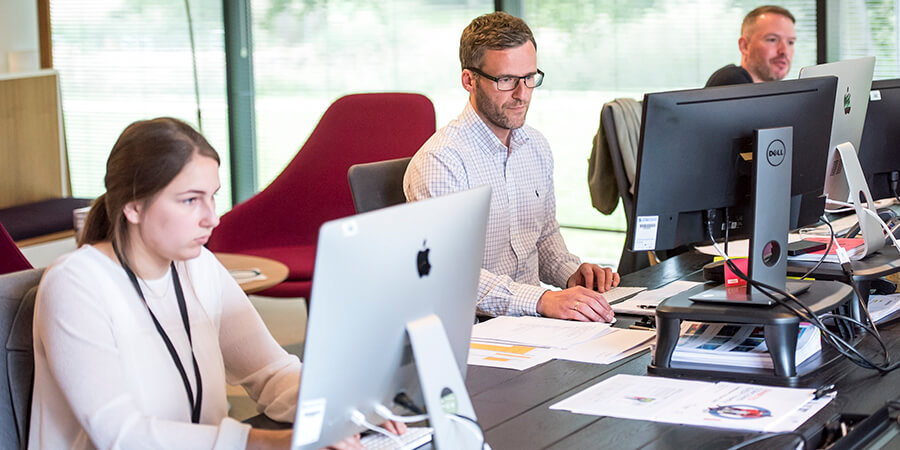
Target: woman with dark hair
[{"x": 137, "y": 331}]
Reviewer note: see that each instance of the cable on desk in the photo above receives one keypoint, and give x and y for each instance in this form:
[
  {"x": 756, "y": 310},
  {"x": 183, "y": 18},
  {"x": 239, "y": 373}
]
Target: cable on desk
[
  {"x": 841, "y": 346},
  {"x": 824, "y": 220},
  {"x": 472, "y": 424},
  {"x": 403, "y": 400},
  {"x": 847, "y": 268},
  {"x": 874, "y": 214}
]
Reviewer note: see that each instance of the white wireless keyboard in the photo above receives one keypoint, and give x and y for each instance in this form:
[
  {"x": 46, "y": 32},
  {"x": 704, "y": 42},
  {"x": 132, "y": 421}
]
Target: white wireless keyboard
[
  {"x": 617, "y": 293},
  {"x": 414, "y": 437}
]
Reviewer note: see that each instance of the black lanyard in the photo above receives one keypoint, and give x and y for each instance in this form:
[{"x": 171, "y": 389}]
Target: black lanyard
[{"x": 182, "y": 306}]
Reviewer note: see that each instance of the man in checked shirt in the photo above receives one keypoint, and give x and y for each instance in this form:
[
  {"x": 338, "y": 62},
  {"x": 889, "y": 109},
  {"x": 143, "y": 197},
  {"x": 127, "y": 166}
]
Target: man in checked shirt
[{"x": 489, "y": 143}]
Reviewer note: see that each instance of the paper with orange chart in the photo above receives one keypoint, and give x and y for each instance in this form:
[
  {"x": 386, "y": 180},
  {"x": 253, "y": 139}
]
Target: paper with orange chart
[
  {"x": 507, "y": 356},
  {"x": 523, "y": 342}
]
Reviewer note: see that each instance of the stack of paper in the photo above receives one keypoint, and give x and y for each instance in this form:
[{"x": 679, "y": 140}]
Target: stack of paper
[
  {"x": 646, "y": 302},
  {"x": 737, "y": 345},
  {"x": 719, "y": 405},
  {"x": 523, "y": 342},
  {"x": 537, "y": 331},
  {"x": 884, "y": 307},
  {"x": 610, "y": 347}
]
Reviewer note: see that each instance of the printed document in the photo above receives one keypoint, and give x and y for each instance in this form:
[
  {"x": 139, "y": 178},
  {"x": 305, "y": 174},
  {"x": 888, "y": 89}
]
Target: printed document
[
  {"x": 610, "y": 347},
  {"x": 537, "y": 331},
  {"x": 506, "y": 356},
  {"x": 719, "y": 405},
  {"x": 645, "y": 303}
]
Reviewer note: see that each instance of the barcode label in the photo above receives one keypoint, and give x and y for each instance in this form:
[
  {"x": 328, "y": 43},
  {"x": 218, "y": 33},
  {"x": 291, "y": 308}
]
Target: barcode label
[{"x": 645, "y": 234}]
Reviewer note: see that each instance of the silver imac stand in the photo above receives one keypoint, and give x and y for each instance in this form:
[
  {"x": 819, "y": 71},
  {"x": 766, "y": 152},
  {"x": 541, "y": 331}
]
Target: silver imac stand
[
  {"x": 860, "y": 197},
  {"x": 442, "y": 385}
]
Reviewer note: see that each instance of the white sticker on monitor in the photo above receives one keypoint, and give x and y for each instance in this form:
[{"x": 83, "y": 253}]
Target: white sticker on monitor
[
  {"x": 875, "y": 95},
  {"x": 311, "y": 417},
  {"x": 645, "y": 233}
]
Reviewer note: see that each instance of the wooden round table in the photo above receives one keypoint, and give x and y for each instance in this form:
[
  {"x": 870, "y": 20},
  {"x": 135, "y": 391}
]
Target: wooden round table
[{"x": 253, "y": 273}]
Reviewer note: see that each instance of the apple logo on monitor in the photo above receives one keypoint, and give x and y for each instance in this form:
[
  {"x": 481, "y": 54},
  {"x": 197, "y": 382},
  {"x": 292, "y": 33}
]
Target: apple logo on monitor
[{"x": 422, "y": 260}]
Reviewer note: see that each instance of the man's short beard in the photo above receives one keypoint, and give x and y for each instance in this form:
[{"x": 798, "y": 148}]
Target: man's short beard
[{"x": 492, "y": 113}]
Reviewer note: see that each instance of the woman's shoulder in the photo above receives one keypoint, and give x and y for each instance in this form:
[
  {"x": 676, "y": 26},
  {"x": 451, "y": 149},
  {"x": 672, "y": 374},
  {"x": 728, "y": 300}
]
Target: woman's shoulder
[
  {"x": 84, "y": 276},
  {"x": 85, "y": 260}
]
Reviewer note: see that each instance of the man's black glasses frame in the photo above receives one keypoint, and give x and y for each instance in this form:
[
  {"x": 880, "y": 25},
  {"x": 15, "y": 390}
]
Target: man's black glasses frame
[{"x": 509, "y": 83}]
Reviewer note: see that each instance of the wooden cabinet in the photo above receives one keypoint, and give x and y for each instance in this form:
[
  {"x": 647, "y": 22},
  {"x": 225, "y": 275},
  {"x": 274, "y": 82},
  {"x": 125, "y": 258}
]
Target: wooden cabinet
[{"x": 32, "y": 145}]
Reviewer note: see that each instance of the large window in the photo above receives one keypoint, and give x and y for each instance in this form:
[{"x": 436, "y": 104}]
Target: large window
[
  {"x": 867, "y": 28},
  {"x": 307, "y": 53},
  {"x": 121, "y": 61},
  {"x": 594, "y": 51},
  {"x": 124, "y": 60}
]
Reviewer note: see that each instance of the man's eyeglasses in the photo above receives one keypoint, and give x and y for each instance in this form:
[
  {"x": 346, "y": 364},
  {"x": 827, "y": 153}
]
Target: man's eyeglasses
[{"x": 509, "y": 83}]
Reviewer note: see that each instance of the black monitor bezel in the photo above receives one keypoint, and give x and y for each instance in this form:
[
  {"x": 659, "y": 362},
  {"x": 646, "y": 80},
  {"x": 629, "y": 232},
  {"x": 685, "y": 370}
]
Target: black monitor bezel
[
  {"x": 809, "y": 172},
  {"x": 877, "y": 152}
]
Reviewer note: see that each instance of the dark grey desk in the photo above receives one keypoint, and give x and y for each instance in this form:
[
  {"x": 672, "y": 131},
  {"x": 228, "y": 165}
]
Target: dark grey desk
[{"x": 513, "y": 406}]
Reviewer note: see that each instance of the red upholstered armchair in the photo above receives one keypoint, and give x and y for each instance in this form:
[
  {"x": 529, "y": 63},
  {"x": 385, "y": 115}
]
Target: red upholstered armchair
[
  {"x": 11, "y": 258},
  {"x": 282, "y": 221}
]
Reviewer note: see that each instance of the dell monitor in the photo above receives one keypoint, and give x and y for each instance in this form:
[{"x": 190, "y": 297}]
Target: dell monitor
[
  {"x": 392, "y": 307},
  {"x": 695, "y": 165},
  {"x": 694, "y": 149},
  {"x": 879, "y": 151}
]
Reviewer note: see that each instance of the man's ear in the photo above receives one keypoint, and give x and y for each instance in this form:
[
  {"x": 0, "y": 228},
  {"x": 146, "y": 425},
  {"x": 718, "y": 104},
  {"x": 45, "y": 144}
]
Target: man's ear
[
  {"x": 744, "y": 45},
  {"x": 468, "y": 80},
  {"x": 132, "y": 211}
]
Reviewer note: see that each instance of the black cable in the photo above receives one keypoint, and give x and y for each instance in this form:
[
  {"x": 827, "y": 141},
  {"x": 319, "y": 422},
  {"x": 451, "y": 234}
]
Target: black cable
[
  {"x": 768, "y": 436},
  {"x": 827, "y": 249},
  {"x": 403, "y": 400},
  {"x": 472, "y": 421},
  {"x": 726, "y": 230},
  {"x": 838, "y": 343}
]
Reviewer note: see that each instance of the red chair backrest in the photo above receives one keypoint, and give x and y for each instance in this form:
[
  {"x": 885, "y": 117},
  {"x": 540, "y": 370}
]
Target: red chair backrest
[
  {"x": 313, "y": 188},
  {"x": 11, "y": 258}
]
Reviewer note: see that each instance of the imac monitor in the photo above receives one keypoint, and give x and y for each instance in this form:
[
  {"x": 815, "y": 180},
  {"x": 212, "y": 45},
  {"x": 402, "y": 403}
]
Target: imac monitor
[
  {"x": 879, "y": 150},
  {"x": 695, "y": 150},
  {"x": 375, "y": 275},
  {"x": 850, "y": 105}
]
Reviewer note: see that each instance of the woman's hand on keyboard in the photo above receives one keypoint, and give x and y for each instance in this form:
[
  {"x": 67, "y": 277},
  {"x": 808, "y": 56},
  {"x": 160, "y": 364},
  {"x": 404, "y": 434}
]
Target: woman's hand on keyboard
[{"x": 397, "y": 428}]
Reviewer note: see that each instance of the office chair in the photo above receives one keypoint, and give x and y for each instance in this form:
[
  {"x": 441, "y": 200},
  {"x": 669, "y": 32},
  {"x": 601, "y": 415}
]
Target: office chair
[
  {"x": 17, "y": 292},
  {"x": 282, "y": 221},
  {"x": 377, "y": 185},
  {"x": 628, "y": 261},
  {"x": 11, "y": 258}
]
